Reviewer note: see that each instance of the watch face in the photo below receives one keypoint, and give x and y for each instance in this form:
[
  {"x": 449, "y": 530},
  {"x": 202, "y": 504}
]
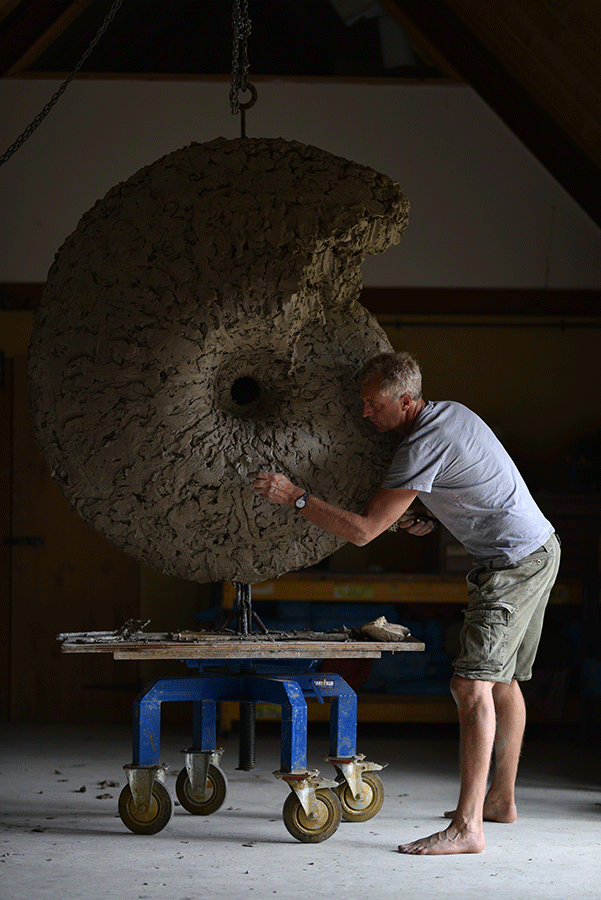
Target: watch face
[{"x": 302, "y": 501}]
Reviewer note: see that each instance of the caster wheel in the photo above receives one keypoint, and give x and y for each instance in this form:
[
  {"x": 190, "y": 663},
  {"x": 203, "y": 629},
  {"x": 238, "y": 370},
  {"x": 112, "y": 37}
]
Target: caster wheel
[
  {"x": 202, "y": 806},
  {"x": 148, "y": 821},
  {"x": 361, "y": 810},
  {"x": 312, "y": 831}
]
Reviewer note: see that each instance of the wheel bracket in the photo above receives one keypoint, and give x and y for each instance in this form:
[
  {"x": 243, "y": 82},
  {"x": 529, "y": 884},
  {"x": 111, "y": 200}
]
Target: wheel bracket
[
  {"x": 304, "y": 785},
  {"x": 197, "y": 766},
  {"x": 141, "y": 780},
  {"x": 351, "y": 768}
]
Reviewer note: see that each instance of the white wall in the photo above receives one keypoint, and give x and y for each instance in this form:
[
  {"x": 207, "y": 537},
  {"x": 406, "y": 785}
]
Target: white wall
[{"x": 484, "y": 213}]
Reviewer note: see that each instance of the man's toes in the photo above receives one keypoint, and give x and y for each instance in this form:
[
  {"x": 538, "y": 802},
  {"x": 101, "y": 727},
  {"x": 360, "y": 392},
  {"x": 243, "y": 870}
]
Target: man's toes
[{"x": 406, "y": 848}]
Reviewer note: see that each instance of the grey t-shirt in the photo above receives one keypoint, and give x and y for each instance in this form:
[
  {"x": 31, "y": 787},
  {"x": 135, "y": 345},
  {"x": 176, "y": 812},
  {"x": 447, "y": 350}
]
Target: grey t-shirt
[{"x": 466, "y": 478}]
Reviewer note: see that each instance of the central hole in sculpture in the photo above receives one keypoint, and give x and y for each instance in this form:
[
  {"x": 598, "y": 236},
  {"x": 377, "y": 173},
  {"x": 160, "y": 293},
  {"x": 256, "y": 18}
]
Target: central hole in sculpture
[{"x": 245, "y": 390}]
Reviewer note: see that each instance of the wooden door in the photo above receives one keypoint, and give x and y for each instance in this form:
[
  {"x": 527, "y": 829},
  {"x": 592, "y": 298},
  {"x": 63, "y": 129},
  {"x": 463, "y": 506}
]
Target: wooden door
[{"x": 56, "y": 575}]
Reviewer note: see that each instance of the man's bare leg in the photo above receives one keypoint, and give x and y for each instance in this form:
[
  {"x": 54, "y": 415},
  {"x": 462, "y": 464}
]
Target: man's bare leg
[
  {"x": 499, "y": 804},
  {"x": 477, "y": 733},
  {"x": 511, "y": 722}
]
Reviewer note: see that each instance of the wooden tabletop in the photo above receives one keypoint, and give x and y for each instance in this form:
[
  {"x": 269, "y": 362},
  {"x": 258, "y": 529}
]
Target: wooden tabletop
[{"x": 210, "y": 645}]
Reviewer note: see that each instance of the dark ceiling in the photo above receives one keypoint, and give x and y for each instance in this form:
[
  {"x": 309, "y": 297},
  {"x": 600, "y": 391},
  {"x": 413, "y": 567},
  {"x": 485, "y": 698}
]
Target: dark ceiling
[
  {"x": 536, "y": 63},
  {"x": 192, "y": 37}
]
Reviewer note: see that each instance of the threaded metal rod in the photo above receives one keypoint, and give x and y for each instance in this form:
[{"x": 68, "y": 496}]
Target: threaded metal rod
[{"x": 246, "y": 755}]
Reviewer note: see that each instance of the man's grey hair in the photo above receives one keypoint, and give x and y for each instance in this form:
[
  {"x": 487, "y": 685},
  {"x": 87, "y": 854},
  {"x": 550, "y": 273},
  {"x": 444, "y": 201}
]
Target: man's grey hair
[{"x": 400, "y": 374}]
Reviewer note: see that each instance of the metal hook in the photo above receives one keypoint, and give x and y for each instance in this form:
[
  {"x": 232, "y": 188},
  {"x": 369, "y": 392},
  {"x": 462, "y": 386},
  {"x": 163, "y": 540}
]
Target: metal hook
[
  {"x": 244, "y": 106},
  {"x": 254, "y": 94}
]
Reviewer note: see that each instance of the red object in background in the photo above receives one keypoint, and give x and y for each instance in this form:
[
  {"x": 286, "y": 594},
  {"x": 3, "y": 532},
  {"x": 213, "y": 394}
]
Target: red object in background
[{"x": 354, "y": 671}]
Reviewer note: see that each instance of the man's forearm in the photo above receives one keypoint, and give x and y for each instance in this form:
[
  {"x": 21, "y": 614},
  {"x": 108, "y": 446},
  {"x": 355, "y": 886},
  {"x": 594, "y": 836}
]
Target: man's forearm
[
  {"x": 349, "y": 526},
  {"x": 383, "y": 508}
]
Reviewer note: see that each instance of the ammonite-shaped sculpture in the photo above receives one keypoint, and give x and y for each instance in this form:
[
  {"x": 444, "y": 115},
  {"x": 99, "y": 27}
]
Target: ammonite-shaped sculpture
[{"x": 200, "y": 323}]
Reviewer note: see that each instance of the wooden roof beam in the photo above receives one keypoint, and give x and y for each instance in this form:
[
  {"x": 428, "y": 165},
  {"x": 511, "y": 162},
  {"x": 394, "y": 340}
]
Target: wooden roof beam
[
  {"x": 572, "y": 168},
  {"x": 31, "y": 28}
]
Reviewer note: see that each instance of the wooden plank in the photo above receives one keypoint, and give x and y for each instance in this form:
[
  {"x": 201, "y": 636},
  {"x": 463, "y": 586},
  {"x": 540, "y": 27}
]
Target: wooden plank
[
  {"x": 356, "y": 587},
  {"x": 215, "y": 646},
  {"x": 568, "y": 304},
  {"x": 6, "y": 465},
  {"x": 493, "y": 306},
  {"x": 304, "y": 651},
  {"x": 364, "y": 588}
]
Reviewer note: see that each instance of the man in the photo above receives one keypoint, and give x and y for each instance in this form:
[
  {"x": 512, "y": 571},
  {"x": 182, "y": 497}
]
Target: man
[{"x": 463, "y": 475}]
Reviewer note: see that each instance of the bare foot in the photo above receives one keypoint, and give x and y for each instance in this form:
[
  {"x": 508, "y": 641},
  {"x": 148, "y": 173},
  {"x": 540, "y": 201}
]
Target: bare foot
[
  {"x": 446, "y": 842},
  {"x": 494, "y": 811}
]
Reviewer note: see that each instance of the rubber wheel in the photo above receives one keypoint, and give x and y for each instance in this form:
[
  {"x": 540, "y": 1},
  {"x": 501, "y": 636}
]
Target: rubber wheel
[
  {"x": 361, "y": 810},
  {"x": 216, "y": 791},
  {"x": 312, "y": 831},
  {"x": 146, "y": 821}
]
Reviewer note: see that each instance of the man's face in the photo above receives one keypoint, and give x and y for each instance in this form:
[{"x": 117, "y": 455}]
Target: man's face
[{"x": 383, "y": 412}]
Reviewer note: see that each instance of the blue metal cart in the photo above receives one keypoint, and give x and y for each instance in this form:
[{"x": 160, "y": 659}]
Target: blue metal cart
[
  {"x": 315, "y": 805},
  {"x": 284, "y": 674}
]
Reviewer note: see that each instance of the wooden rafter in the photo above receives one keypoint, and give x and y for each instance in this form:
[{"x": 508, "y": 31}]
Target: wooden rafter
[
  {"x": 545, "y": 136},
  {"x": 553, "y": 50},
  {"x": 32, "y": 27}
]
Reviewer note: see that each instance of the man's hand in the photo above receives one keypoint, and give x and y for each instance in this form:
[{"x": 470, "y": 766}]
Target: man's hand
[
  {"x": 276, "y": 488},
  {"x": 415, "y": 524}
]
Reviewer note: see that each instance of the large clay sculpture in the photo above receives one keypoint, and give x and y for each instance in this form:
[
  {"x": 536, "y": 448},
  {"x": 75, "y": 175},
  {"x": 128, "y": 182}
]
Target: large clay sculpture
[{"x": 200, "y": 323}]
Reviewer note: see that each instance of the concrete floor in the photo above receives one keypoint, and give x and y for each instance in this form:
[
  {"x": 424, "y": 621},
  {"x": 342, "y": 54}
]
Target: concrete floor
[{"x": 61, "y": 837}]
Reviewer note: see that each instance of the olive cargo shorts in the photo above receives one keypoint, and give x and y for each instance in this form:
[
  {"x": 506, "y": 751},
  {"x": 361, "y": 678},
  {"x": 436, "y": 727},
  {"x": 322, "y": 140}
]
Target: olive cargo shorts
[{"x": 504, "y": 616}]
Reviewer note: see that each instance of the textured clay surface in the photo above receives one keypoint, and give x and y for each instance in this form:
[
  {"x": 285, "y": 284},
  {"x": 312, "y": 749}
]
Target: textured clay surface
[{"x": 200, "y": 323}]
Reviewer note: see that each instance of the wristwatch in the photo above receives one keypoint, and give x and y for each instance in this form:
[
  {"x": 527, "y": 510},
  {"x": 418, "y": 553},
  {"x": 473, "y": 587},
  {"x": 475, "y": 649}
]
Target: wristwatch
[{"x": 301, "y": 501}]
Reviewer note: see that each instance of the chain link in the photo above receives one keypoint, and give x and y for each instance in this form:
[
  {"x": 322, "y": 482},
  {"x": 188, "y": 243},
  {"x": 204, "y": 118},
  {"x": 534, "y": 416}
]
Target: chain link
[
  {"x": 44, "y": 112},
  {"x": 241, "y": 26}
]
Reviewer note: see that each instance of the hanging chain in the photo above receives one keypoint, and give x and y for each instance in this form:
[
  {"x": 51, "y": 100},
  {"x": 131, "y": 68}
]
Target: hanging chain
[
  {"x": 42, "y": 115},
  {"x": 241, "y": 26}
]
